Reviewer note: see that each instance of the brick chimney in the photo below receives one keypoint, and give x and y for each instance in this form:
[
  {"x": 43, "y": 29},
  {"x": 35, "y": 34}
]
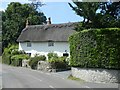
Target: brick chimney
[{"x": 49, "y": 21}]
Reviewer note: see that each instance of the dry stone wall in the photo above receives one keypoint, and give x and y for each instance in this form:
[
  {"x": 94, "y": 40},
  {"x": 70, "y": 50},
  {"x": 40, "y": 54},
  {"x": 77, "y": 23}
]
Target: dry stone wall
[{"x": 97, "y": 75}]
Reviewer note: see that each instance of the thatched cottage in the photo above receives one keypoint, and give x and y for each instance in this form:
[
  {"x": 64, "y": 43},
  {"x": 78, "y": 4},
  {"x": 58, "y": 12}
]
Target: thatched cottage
[{"x": 43, "y": 39}]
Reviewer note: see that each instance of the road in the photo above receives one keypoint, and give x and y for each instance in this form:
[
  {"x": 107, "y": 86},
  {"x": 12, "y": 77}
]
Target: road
[
  {"x": 0, "y": 74},
  {"x": 19, "y": 77}
]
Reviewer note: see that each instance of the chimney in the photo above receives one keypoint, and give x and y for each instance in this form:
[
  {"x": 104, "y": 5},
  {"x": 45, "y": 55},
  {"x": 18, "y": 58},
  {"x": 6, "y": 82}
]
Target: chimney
[
  {"x": 27, "y": 23},
  {"x": 49, "y": 21}
]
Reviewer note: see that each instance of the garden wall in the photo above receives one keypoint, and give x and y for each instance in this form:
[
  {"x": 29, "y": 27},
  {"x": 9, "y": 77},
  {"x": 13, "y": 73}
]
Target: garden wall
[
  {"x": 50, "y": 67},
  {"x": 25, "y": 63},
  {"x": 44, "y": 66},
  {"x": 97, "y": 75}
]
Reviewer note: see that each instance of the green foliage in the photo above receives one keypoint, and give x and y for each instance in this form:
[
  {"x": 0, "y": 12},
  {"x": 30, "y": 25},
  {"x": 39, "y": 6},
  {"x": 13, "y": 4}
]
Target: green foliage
[
  {"x": 8, "y": 52},
  {"x": 12, "y": 56},
  {"x": 14, "y": 20},
  {"x": 6, "y": 57},
  {"x": 96, "y": 48},
  {"x": 16, "y": 60},
  {"x": 58, "y": 62},
  {"x": 112, "y": 9},
  {"x": 87, "y": 10},
  {"x": 74, "y": 78},
  {"x": 97, "y": 14},
  {"x": 34, "y": 61},
  {"x": 52, "y": 55},
  {"x": 79, "y": 27}
]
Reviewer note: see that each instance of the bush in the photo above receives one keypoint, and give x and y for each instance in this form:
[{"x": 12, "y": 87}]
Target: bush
[
  {"x": 58, "y": 62},
  {"x": 12, "y": 56},
  {"x": 51, "y": 55},
  {"x": 6, "y": 57},
  {"x": 34, "y": 61},
  {"x": 96, "y": 48},
  {"x": 8, "y": 52},
  {"x": 16, "y": 60}
]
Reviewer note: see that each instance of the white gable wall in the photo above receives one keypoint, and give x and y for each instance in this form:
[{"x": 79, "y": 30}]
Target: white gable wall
[{"x": 42, "y": 48}]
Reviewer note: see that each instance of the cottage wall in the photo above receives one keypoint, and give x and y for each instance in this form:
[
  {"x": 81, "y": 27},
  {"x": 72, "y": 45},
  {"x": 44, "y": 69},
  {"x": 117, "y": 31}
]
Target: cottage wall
[{"x": 42, "y": 48}]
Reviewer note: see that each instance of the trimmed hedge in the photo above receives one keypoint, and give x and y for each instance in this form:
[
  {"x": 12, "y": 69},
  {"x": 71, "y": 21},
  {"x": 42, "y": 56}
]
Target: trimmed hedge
[{"x": 96, "y": 48}]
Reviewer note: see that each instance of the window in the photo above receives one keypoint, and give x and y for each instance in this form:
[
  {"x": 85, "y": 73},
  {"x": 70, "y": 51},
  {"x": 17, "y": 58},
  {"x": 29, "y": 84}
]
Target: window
[
  {"x": 28, "y": 44},
  {"x": 50, "y": 43}
]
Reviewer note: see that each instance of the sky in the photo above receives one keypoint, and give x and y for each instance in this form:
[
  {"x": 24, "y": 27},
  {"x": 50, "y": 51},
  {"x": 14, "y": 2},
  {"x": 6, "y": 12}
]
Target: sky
[{"x": 59, "y": 11}]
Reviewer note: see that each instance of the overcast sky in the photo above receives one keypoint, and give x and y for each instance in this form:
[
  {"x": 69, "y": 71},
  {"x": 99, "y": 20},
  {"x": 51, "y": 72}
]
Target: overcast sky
[{"x": 59, "y": 11}]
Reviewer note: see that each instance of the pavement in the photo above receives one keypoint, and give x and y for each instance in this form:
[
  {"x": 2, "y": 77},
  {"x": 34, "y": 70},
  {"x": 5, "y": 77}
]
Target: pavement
[{"x": 19, "y": 77}]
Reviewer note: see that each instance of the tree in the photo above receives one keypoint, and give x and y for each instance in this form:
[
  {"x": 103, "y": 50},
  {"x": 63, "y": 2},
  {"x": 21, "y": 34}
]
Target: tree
[
  {"x": 14, "y": 21},
  {"x": 111, "y": 8},
  {"x": 36, "y": 4},
  {"x": 109, "y": 15},
  {"x": 86, "y": 10}
]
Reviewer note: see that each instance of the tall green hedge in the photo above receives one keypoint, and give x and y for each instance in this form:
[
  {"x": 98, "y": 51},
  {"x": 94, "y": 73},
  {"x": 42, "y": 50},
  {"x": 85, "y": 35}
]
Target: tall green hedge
[{"x": 96, "y": 48}]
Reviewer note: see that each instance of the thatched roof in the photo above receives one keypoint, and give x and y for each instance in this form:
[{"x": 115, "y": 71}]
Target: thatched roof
[{"x": 54, "y": 32}]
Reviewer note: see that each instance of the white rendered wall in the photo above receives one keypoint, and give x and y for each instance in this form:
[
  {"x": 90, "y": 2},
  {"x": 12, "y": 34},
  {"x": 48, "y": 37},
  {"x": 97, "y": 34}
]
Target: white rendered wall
[{"x": 42, "y": 48}]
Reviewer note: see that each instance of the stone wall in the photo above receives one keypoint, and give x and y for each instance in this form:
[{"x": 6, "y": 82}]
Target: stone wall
[
  {"x": 47, "y": 67},
  {"x": 25, "y": 63},
  {"x": 97, "y": 75},
  {"x": 44, "y": 66}
]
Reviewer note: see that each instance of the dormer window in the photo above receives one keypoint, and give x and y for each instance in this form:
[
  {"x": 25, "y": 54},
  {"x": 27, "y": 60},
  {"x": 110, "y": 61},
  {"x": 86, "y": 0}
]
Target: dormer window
[
  {"x": 29, "y": 44},
  {"x": 50, "y": 43}
]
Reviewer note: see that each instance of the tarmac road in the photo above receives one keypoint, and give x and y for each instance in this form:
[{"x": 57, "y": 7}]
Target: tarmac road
[{"x": 19, "y": 77}]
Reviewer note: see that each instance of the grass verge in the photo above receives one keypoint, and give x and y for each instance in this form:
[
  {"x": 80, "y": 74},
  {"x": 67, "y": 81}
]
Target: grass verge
[{"x": 74, "y": 78}]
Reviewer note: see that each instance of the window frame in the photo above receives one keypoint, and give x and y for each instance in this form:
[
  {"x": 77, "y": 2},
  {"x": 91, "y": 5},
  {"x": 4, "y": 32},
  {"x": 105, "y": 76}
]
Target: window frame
[
  {"x": 29, "y": 44},
  {"x": 50, "y": 43}
]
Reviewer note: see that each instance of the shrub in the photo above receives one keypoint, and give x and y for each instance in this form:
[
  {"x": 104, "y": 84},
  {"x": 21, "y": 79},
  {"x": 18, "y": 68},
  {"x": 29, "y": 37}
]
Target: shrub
[
  {"x": 6, "y": 57},
  {"x": 12, "y": 56},
  {"x": 96, "y": 48},
  {"x": 58, "y": 63},
  {"x": 42, "y": 57},
  {"x": 51, "y": 55},
  {"x": 16, "y": 60},
  {"x": 34, "y": 61},
  {"x": 16, "y": 52}
]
